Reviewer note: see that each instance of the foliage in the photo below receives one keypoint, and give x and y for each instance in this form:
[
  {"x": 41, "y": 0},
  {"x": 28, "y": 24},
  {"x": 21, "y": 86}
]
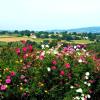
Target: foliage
[{"x": 60, "y": 73}]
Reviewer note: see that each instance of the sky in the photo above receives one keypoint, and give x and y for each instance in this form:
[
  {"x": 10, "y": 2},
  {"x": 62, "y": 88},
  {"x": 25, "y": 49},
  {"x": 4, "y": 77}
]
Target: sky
[{"x": 48, "y": 14}]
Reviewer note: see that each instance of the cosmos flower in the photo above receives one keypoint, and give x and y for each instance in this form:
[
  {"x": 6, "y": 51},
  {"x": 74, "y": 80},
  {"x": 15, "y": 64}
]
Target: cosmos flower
[
  {"x": 80, "y": 60},
  {"x": 23, "y": 41},
  {"x": 62, "y": 73},
  {"x": 24, "y": 49},
  {"x": 71, "y": 87},
  {"x": 48, "y": 69},
  {"x": 22, "y": 77},
  {"x": 3, "y": 87},
  {"x": 18, "y": 51},
  {"x": 87, "y": 73},
  {"x": 79, "y": 90},
  {"x": 54, "y": 62},
  {"x": 47, "y": 46},
  {"x": 30, "y": 48},
  {"x": 8, "y": 81},
  {"x": 12, "y": 73},
  {"x": 53, "y": 67},
  {"x": 67, "y": 65}
]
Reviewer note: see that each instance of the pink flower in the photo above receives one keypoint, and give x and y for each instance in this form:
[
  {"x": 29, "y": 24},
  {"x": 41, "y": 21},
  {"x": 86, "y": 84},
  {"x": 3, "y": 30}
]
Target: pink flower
[
  {"x": 65, "y": 49},
  {"x": 41, "y": 57},
  {"x": 22, "y": 77},
  {"x": 62, "y": 73},
  {"x": 67, "y": 65},
  {"x": 24, "y": 49},
  {"x": 8, "y": 81},
  {"x": 54, "y": 62},
  {"x": 91, "y": 81},
  {"x": 77, "y": 85},
  {"x": 42, "y": 54},
  {"x": 8, "y": 77},
  {"x": 25, "y": 56},
  {"x": 25, "y": 80},
  {"x": 12, "y": 73},
  {"x": 53, "y": 67},
  {"x": 90, "y": 91},
  {"x": 18, "y": 51},
  {"x": 3, "y": 87},
  {"x": 69, "y": 75}
]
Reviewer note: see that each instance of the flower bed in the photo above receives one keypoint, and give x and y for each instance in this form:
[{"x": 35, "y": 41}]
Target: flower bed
[{"x": 61, "y": 73}]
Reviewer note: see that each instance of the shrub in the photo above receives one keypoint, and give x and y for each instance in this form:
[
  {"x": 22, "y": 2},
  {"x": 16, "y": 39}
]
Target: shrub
[{"x": 67, "y": 74}]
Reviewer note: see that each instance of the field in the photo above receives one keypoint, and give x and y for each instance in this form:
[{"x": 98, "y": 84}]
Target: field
[
  {"x": 13, "y": 38},
  {"x": 7, "y": 38}
]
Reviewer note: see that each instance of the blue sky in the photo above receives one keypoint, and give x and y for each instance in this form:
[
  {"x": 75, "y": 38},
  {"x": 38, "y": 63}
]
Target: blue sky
[{"x": 48, "y": 14}]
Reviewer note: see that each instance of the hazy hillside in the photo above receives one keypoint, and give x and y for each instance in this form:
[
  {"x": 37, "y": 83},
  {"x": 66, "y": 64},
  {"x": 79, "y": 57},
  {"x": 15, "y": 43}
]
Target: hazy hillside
[{"x": 85, "y": 29}]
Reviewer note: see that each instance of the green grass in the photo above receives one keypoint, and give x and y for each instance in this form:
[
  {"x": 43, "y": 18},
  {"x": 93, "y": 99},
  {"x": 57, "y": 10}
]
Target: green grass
[
  {"x": 38, "y": 40},
  {"x": 82, "y": 41}
]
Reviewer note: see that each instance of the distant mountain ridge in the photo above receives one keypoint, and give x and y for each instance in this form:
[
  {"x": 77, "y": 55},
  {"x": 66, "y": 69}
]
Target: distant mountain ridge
[
  {"x": 85, "y": 29},
  {"x": 95, "y": 29}
]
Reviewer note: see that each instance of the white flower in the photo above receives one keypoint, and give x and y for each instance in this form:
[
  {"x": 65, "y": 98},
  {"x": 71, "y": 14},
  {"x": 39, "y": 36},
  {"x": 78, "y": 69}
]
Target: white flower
[
  {"x": 82, "y": 98},
  {"x": 87, "y": 73},
  {"x": 55, "y": 51},
  {"x": 82, "y": 95},
  {"x": 77, "y": 98},
  {"x": 74, "y": 47},
  {"x": 49, "y": 69},
  {"x": 88, "y": 96},
  {"x": 84, "y": 50},
  {"x": 79, "y": 90},
  {"x": 47, "y": 46},
  {"x": 71, "y": 87},
  {"x": 85, "y": 82},
  {"x": 42, "y": 46},
  {"x": 86, "y": 77},
  {"x": 77, "y": 49},
  {"x": 87, "y": 54},
  {"x": 89, "y": 84},
  {"x": 80, "y": 60}
]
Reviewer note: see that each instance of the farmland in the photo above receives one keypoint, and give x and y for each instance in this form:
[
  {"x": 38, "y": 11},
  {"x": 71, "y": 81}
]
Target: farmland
[{"x": 7, "y": 38}]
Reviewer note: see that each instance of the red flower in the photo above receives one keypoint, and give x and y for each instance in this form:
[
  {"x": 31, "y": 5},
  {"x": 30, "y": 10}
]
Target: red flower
[
  {"x": 30, "y": 48},
  {"x": 67, "y": 65},
  {"x": 18, "y": 51},
  {"x": 54, "y": 62},
  {"x": 53, "y": 67},
  {"x": 24, "y": 49},
  {"x": 23, "y": 41},
  {"x": 62, "y": 73},
  {"x": 12, "y": 73}
]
